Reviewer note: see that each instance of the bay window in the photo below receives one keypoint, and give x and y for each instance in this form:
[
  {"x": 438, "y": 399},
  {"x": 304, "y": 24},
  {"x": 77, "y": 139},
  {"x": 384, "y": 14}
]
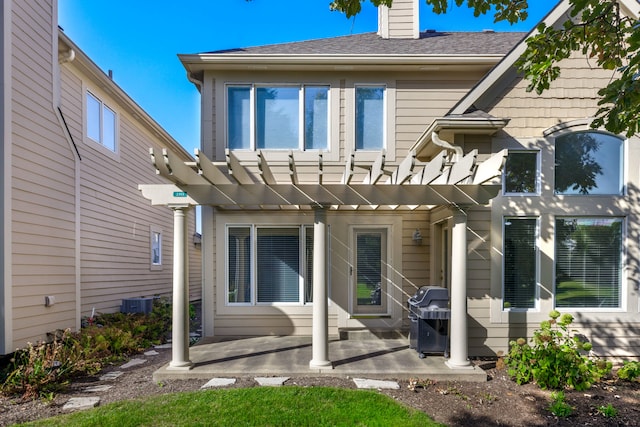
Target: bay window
[
  {"x": 269, "y": 264},
  {"x": 277, "y": 117}
]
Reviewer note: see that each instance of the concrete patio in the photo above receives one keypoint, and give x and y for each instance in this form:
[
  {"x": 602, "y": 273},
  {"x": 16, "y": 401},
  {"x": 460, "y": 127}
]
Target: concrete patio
[{"x": 290, "y": 356}]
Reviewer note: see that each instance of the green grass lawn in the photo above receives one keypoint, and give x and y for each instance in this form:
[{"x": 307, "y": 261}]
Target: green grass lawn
[
  {"x": 257, "y": 406},
  {"x": 583, "y": 294}
]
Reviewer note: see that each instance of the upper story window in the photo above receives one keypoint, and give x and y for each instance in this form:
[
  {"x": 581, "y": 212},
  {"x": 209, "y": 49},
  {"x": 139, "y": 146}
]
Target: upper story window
[
  {"x": 278, "y": 117},
  {"x": 521, "y": 173},
  {"x": 101, "y": 122},
  {"x": 370, "y": 117},
  {"x": 589, "y": 163}
]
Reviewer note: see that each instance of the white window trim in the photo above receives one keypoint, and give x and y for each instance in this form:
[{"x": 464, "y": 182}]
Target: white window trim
[
  {"x": 546, "y": 206},
  {"x": 389, "y": 141},
  {"x": 152, "y": 231},
  {"x": 623, "y": 269},
  {"x": 562, "y": 131},
  {"x": 99, "y": 145}
]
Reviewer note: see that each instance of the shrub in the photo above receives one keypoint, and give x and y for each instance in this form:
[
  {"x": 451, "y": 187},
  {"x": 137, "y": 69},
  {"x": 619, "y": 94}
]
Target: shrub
[
  {"x": 558, "y": 406},
  {"x": 555, "y": 358},
  {"x": 43, "y": 368},
  {"x": 609, "y": 411},
  {"x": 629, "y": 371}
]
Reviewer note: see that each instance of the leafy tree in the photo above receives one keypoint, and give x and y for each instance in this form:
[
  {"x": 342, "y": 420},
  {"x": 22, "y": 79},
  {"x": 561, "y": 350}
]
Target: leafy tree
[
  {"x": 577, "y": 166},
  {"x": 597, "y": 28}
]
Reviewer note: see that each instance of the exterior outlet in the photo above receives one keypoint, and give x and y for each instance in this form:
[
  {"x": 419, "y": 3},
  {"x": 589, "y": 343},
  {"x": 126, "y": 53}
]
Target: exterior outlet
[{"x": 49, "y": 300}]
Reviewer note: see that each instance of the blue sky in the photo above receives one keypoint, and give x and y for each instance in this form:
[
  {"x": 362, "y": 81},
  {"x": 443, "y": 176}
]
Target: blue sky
[{"x": 139, "y": 40}]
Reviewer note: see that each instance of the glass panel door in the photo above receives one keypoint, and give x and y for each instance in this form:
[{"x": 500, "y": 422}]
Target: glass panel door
[{"x": 369, "y": 275}]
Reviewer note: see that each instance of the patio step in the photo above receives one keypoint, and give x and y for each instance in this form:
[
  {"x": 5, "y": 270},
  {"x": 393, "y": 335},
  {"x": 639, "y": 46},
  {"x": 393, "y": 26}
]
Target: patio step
[{"x": 364, "y": 334}]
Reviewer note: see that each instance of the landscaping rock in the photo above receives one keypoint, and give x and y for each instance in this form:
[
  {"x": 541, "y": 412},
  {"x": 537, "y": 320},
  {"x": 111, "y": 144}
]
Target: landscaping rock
[
  {"x": 111, "y": 376},
  {"x": 271, "y": 381},
  {"x": 219, "y": 382},
  {"x": 133, "y": 362},
  {"x": 81, "y": 403},
  {"x": 376, "y": 384}
]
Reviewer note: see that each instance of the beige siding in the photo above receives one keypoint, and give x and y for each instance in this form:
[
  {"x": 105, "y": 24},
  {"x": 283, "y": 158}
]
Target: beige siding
[
  {"x": 43, "y": 171},
  {"x": 571, "y": 98},
  {"x": 574, "y": 95},
  {"x": 408, "y": 271},
  {"x": 401, "y": 19},
  {"x": 419, "y": 102},
  {"x": 116, "y": 219}
]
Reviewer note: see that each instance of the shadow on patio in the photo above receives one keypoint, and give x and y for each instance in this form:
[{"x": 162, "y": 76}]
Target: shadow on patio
[{"x": 290, "y": 356}]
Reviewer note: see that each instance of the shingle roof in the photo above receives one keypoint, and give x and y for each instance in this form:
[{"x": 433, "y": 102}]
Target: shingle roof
[{"x": 429, "y": 43}]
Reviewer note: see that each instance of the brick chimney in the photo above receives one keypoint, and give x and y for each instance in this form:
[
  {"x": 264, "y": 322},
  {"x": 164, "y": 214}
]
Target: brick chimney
[{"x": 402, "y": 21}]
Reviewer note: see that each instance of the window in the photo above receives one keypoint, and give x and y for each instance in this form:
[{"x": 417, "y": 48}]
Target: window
[
  {"x": 267, "y": 265},
  {"x": 370, "y": 118},
  {"x": 520, "y": 263},
  {"x": 521, "y": 173},
  {"x": 293, "y": 117},
  {"x": 588, "y": 163},
  {"x": 588, "y": 262},
  {"x": 101, "y": 122},
  {"x": 156, "y": 248}
]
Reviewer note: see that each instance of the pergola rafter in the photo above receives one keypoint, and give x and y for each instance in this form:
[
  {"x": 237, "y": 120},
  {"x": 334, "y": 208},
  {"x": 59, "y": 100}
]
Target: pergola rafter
[
  {"x": 284, "y": 183},
  {"x": 272, "y": 184}
]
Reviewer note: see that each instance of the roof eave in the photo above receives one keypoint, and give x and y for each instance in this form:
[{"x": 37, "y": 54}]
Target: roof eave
[
  {"x": 104, "y": 82},
  {"x": 206, "y": 62},
  {"x": 425, "y": 147}
]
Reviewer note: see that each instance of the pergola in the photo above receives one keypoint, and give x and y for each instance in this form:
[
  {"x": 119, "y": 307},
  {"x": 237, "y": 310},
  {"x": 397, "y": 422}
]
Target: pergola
[{"x": 283, "y": 181}]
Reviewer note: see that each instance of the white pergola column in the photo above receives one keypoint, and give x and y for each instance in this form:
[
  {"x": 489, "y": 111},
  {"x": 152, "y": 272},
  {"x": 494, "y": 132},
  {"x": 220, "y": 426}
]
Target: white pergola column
[
  {"x": 458, "y": 334},
  {"x": 320, "y": 331},
  {"x": 180, "y": 325}
]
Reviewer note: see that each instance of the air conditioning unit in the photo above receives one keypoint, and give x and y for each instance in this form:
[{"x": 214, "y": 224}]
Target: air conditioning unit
[{"x": 137, "y": 305}]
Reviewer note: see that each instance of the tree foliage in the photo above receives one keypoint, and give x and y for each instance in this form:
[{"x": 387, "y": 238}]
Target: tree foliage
[{"x": 597, "y": 28}]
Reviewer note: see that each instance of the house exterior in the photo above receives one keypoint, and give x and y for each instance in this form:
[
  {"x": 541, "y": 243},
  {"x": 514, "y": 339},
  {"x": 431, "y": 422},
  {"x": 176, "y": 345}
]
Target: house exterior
[
  {"x": 77, "y": 235},
  {"x": 387, "y": 146}
]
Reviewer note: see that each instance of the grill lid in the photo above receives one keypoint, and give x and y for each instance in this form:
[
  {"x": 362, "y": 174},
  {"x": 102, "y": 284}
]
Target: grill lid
[{"x": 431, "y": 297}]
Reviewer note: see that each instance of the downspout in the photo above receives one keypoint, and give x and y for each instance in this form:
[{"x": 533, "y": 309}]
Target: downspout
[
  {"x": 65, "y": 57},
  {"x": 6, "y": 312},
  {"x": 458, "y": 153}
]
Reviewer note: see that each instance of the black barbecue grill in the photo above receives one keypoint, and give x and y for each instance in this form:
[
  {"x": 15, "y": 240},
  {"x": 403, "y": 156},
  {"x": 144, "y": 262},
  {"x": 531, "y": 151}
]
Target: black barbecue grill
[{"x": 429, "y": 314}]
